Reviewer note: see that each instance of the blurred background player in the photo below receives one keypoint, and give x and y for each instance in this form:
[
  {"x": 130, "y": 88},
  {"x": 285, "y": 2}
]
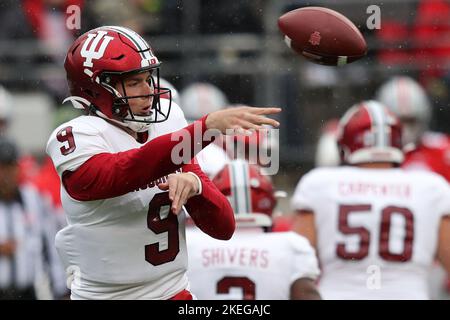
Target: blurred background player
[
  {"x": 424, "y": 149},
  {"x": 377, "y": 229},
  {"x": 255, "y": 264},
  {"x": 44, "y": 180},
  {"x": 26, "y": 268},
  {"x": 200, "y": 98},
  {"x": 197, "y": 100}
]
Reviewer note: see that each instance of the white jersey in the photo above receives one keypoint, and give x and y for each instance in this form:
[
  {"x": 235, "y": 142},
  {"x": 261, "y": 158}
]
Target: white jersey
[
  {"x": 212, "y": 159},
  {"x": 376, "y": 229},
  {"x": 108, "y": 246},
  {"x": 252, "y": 265}
]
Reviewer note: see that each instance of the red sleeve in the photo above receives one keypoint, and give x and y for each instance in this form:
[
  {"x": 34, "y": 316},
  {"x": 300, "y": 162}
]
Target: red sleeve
[
  {"x": 108, "y": 175},
  {"x": 211, "y": 211}
]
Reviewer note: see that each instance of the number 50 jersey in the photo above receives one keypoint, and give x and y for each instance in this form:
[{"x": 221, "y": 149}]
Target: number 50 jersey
[{"x": 376, "y": 229}]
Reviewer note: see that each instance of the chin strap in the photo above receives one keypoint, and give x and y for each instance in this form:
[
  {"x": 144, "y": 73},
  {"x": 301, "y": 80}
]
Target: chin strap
[
  {"x": 136, "y": 123},
  {"x": 137, "y": 126}
]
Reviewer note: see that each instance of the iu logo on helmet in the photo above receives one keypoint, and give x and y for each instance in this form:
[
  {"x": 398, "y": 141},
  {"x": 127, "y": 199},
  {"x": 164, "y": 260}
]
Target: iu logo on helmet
[
  {"x": 315, "y": 38},
  {"x": 89, "y": 52}
]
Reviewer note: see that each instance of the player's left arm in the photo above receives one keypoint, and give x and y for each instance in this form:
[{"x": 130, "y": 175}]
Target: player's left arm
[
  {"x": 210, "y": 210},
  {"x": 444, "y": 243},
  {"x": 207, "y": 206}
]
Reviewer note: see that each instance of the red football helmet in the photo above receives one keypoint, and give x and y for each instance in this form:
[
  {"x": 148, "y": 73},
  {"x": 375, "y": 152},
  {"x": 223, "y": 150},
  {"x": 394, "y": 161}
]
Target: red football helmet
[
  {"x": 251, "y": 194},
  {"x": 100, "y": 59},
  {"x": 369, "y": 132}
]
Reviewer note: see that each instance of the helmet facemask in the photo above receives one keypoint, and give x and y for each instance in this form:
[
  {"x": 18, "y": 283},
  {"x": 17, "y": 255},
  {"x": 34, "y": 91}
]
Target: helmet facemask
[{"x": 121, "y": 109}]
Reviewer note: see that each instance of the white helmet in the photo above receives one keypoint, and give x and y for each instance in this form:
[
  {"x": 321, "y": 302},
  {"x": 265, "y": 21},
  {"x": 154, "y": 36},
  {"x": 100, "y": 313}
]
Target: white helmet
[
  {"x": 408, "y": 100},
  {"x": 5, "y": 104},
  {"x": 199, "y": 99},
  {"x": 174, "y": 92}
]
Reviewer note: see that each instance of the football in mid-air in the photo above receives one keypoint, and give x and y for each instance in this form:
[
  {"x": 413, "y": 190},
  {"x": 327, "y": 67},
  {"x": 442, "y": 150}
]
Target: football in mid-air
[{"x": 322, "y": 35}]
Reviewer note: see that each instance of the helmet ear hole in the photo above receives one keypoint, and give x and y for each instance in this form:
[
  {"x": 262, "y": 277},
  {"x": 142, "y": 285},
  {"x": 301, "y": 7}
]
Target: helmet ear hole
[
  {"x": 116, "y": 109},
  {"x": 120, "y": 110}
]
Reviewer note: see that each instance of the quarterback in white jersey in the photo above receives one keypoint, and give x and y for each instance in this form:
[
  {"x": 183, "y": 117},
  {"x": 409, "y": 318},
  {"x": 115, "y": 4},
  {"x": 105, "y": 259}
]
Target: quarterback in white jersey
[
  {"x": 125, "y": 208},
  {"x": 254, "y": 264},
  {"x": 376, "y": 227},
  {"x": 82, "y": 241}
]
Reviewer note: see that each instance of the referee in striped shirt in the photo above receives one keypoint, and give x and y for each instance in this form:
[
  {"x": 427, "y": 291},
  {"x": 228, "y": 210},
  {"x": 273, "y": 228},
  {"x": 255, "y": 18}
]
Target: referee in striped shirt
[{"x": 20, "y": 241}]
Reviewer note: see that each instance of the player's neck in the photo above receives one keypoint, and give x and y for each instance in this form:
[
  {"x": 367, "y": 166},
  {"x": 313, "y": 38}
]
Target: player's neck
[
  {"x": 130, "y": 132},
  {"x": 126, "y": 129},
  {"x": 376, "y": 165}
]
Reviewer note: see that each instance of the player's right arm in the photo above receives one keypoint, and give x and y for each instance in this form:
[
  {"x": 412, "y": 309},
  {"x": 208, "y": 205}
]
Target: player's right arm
[
  {"x": 89, "y": 171},
  {"x": 103, "y": 175}
]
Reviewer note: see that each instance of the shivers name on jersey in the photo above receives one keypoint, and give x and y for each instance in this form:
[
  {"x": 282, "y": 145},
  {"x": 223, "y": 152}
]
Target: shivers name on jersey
[{"x": 156, "y": 182}]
